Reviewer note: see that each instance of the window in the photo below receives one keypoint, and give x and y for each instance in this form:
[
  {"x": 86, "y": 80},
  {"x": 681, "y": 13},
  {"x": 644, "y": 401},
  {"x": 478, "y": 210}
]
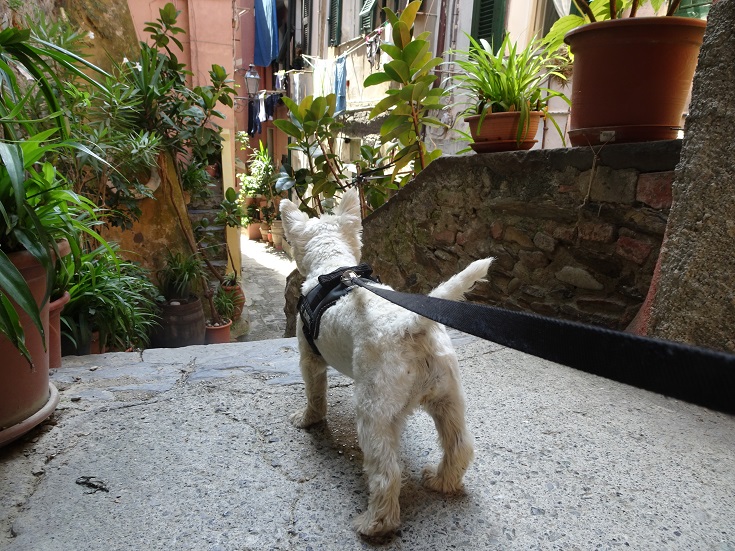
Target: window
[
  {"x": 488, "y": 21},
  {"x": 547, "y": 14},
  {"x": 335, "y": 22},
  {"x": 306, "y": 26},
  {"x": 367, "y": 16}
]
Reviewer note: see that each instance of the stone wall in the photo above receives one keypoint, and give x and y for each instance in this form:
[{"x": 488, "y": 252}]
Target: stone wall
[
  {"x": 694, "y": 302},
  {"x": 575, "y": 235}
]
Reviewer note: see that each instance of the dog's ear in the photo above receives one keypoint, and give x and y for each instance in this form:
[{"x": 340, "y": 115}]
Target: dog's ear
[
  {"x": 293, "y": 218},
  {"x": 349, "y": 205}
]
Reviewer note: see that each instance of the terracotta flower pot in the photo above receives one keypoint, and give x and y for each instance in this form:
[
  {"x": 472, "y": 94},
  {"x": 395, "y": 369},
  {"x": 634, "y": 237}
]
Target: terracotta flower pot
[
  {"x": 254, "y": 231},
  {"x": 632, "y": 78},
  {"x": 238, "y": 297},
  {"x": 26, "y": 396},
  {"x": 218, "y": 334},
  {"x": 277, "y": 233},
  {"x": 499, "y": 131},
  {"x": 54, "y": 330}
]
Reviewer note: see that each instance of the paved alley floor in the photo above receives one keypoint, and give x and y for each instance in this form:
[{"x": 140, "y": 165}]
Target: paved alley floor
[
  {"x": 191, "y": 449},
  {"x": 264, "y": 272}
]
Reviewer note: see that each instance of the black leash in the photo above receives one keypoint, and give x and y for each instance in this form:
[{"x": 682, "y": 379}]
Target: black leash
[{"x": 697, "y": 375}]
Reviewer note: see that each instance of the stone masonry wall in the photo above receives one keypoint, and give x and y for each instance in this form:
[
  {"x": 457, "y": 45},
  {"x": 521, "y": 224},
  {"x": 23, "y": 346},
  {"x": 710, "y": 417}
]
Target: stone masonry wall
[{"x": 575, "y": 235}]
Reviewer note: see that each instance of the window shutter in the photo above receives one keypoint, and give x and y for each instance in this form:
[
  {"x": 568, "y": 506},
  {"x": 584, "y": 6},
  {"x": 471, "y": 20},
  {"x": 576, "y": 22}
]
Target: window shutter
[
  {"x": 488, "y": 21},
  {"x": 335, "y": 22},
  {"x": 306, "y": 26},
  {"x": 367, "y": 16},
  {"x": 694, "y": 8}
]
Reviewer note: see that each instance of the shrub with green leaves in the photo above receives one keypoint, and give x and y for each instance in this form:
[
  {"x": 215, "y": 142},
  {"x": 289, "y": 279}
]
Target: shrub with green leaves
[
  {"x": 314, "y": 130},
  {"x": 410, "y": 103}
]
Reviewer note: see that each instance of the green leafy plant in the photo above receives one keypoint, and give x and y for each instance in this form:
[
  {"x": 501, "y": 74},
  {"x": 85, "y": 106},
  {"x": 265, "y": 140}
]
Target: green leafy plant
[
  {"x": 37, "y": 208},
  {"x": 413, "y": 95},
  {"x": 181, "y": 275},
  {"x": 314, "y": 130},
  {"x": 507, "y": 80},
  {"x": 601, "y": 10},
  {"x": 259, "y": 179},
  {"x": 112, "y": 296},
  {"x": 230, "y": 279},
  {"x": 224, "y": 304}
]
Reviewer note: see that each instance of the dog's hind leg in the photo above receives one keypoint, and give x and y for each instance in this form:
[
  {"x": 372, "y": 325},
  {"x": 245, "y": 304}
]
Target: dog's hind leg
[
  {"x": 448, "y": 409},
  {"x": 314, "y": 372}
]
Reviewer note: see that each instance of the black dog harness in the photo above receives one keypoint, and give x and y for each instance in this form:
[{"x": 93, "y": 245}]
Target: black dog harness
[{"x": 332, "y": 287}]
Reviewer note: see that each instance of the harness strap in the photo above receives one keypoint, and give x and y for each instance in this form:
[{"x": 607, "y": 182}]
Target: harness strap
[{"x": 329, "y": 290}]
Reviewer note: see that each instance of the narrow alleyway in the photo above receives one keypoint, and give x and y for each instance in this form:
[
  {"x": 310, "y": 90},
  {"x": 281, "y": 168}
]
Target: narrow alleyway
[{"x": 264, "y": 272}]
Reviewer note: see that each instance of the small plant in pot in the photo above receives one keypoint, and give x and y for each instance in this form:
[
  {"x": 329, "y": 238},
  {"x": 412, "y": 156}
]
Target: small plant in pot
[
  {"x": 231, "y": 286},
  {"x": 218, "y": 328},
  {"x": 182, "y": 313},
  {"x": 504, "y": 92}
]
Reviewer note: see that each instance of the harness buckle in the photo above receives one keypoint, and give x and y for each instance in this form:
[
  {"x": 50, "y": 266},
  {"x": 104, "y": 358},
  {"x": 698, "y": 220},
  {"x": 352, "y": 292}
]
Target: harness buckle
[{"x": 347, "y": 277}]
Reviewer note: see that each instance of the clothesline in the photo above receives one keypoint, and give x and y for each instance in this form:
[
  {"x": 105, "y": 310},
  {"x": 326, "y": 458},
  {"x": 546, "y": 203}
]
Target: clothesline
[{"x": 362, "y": 43}]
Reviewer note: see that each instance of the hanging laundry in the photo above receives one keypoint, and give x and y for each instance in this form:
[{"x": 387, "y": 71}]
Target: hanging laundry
[
  {"x": 266, "y": 32},
  {"x": 340, "y": 83},
  {"x": 253, "y": 122},
  {"x": 323, "y": 77},
  {"x": 270, "y": 105},
  {"x": 281, "y": 80},
  {"x": 372, "y": 50},
  {"x": 261, "y": 106},
  {"x": 299, "y": 91}
]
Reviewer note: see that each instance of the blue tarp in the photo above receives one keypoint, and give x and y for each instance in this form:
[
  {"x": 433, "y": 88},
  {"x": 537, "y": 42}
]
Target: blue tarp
[{"x": 266, "y": 32}]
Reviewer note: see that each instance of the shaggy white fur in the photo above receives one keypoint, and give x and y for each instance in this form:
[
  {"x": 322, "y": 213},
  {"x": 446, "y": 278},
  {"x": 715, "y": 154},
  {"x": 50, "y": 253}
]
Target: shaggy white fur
[{"x": 398, "y": 359}]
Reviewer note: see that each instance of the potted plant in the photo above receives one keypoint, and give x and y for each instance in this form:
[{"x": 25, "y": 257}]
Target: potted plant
[
  {"x": 504, "y": 92},
  {"x": 112, "y": 305},
  {"x": 632, "y": 75},
  {"x": 218, "y": 328},
  {"x": 182, "y": 313},
  {"x": 231, "y": 286},
  {"x": 36, "y": 215}
]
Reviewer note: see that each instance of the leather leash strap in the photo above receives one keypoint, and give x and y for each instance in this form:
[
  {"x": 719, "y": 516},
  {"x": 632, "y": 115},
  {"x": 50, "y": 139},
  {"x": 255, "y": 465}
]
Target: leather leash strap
[{"x": 697, "y": 375}]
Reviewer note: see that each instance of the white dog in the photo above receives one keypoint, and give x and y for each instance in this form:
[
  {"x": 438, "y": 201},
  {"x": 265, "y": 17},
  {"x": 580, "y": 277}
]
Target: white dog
[{"x": 398, "y": 359}]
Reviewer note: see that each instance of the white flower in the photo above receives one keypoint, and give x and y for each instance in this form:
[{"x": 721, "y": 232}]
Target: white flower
[
  {"x": 137, "y": 66},
  {"x": 126, "y": 60},
  {"x": 90, "y": 35}
]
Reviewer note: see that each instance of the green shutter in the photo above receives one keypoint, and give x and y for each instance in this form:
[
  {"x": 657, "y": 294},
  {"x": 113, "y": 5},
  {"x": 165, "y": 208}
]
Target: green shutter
[
  {"x": 488, "y": 21},
  {"x": 367, "y": 16},
  {"x": 694, "y": 8},
  {"x": 335, "y": 22},
  {"x": 306, "y": 26}
]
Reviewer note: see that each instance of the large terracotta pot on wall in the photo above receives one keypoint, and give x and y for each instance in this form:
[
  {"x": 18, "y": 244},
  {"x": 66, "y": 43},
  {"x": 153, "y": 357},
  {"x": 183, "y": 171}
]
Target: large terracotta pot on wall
[
  {"x": 499, "y": 131},
  {"x": 632, "y": 78},
  {"x": 26, "y": 395}
]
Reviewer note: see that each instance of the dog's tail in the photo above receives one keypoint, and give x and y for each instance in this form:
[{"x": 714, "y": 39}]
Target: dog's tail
[{"x": 456, "y": 286}]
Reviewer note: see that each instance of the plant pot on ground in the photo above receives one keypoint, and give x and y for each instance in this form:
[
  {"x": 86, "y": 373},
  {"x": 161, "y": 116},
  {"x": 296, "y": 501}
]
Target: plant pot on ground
[
  {"x": 231, "y": 286},
  {"x": 182, "y": 313},
  {"x": 39, "y": 209},
  {"x": 218, "y": 327},
  {"x": 632, "y": 75},
  {"x": 504, "y": 92},
  {"x": 277, "y": 233}
]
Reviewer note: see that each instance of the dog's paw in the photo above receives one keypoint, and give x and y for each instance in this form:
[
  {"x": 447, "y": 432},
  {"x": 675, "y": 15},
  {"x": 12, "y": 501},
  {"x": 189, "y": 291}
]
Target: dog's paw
[
  {"x": 305, "y": 418},
  {"x": 431, "y": 480},
  {"x": 368, "y": 525}
]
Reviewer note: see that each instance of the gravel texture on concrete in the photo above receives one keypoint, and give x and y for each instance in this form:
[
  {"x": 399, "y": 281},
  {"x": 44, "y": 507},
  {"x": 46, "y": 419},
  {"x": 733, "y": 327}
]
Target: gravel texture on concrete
[{"x": 191, "y": 449}]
